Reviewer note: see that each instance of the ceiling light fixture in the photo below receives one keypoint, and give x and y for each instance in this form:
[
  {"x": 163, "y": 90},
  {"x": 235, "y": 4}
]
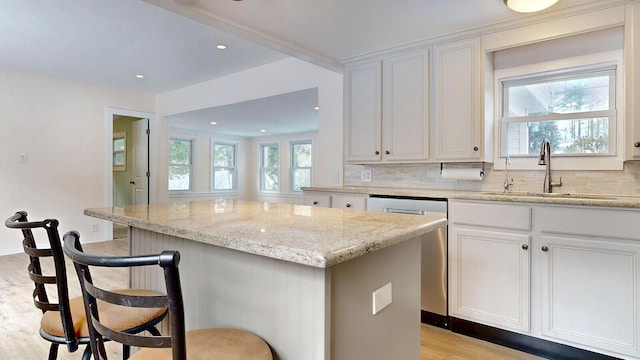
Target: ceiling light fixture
[
  {"x": 221, "y": 47},
  {"x": 263, "y": 130},
  {"x": 317, "y": 108},
  {"x": 214, "y": 123},
  {"x": 529, "y": 6},
  {"x": 140, "y": 76}
]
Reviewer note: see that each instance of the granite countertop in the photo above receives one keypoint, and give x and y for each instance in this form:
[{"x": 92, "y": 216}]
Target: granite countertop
[
  {"x": 314, "y": 236},
  {"x": 603, "y": 200}
]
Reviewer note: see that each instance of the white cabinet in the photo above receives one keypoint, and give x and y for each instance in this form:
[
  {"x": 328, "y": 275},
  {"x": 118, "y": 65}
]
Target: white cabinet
[
  {"x": 567, "y": 274},
  {"x": 387, "y": 109},
  {"x": 590, "y": 277},
  {"x": 335, "y": 200},
  {"x": 363, "y": 112},
  {"x": 489, "y": 264},
  {"x": 458, "y": 96},
  {"x": 316, "y": 199},
  {"x": 351, "y": 202}
]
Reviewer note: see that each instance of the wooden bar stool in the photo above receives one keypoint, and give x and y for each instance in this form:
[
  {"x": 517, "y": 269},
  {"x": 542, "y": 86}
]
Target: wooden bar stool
[
  {"x": 202, "y": 344},
  {"x": 63, "y": 323}
]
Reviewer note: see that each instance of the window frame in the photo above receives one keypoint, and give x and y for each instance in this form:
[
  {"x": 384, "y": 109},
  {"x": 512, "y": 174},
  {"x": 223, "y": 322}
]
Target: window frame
[
  {"x": 190, "y": 165},
  {"x": 610, "y": 114},
  {"x": 263, "y": 168},
  {"x": 117, "y": 136},
  {"x": 234, "y": 168},
  {"x": 598, "y": 61},
  {"x": 293, "y": 168}
]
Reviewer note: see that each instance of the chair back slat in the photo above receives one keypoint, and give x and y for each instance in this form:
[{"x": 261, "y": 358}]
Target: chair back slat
[
  {"x": 167, "y": 260},
  {"x": 59, "y": 279}
]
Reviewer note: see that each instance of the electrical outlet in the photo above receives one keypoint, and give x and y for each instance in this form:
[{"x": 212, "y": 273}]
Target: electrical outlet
[
  {"x": 22, "y": 158},
  {"x": 382, "y": 298},
  {"x": 365, "y": 175},
  {"x": 94, "y": 227}
]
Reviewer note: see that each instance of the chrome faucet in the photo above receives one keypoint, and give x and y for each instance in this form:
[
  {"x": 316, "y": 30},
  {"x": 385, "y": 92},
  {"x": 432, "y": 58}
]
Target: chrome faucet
[
  {"x": 507, "y": 182},
  {"x": 545, "y": 159}
]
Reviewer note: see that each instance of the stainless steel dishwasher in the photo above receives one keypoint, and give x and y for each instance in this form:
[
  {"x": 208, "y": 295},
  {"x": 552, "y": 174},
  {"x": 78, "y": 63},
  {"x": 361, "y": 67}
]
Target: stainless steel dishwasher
[{"x": 434, "y": 253}]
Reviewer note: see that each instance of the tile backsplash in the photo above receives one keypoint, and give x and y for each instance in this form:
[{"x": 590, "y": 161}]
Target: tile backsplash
[{"x": 427, "y": 176}]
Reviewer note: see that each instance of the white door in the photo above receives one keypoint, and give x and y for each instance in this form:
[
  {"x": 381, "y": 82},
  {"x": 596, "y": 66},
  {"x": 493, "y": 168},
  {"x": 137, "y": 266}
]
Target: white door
[{"x": 140, "y": 182}]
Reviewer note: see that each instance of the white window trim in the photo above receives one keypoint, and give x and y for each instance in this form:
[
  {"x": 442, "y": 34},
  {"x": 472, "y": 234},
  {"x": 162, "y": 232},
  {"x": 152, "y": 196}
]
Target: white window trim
[
  {"x": 191, "y": 167},
  {"x": 567, "y": 162},
  {"x": 261, "y": 168},
  {"x": 234, "y": 185},
  {"x": 291, "y": 168}
]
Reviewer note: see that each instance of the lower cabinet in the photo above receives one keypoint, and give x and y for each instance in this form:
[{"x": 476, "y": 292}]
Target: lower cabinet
[
  {"x": 489, "y": 277},
  {"x": 335, "y": 200},
  {"x": 590, "y": 292},
  {"x": 489, "y": 263},
  {"x": 572, "y": 278}
]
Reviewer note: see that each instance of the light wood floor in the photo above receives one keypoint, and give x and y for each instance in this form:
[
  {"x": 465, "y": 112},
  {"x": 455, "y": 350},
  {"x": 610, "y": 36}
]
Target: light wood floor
[{"x": 20, "y": 321}]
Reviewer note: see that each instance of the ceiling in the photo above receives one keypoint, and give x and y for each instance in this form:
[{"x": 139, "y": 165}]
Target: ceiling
[
  {"x": 329, "y": 31},
  {"x": 173, "y": 42},
  {"x": 290, "y": 113}
]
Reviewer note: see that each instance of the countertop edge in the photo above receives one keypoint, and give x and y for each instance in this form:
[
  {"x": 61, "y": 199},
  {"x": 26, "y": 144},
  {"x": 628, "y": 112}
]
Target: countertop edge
[
  {"x": 602, "y": 200},
  {"x": 289, "y": 254}
]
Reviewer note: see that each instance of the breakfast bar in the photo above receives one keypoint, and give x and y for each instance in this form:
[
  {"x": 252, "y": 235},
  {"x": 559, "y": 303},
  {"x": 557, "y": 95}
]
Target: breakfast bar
[{"x": 302, "y": 278}]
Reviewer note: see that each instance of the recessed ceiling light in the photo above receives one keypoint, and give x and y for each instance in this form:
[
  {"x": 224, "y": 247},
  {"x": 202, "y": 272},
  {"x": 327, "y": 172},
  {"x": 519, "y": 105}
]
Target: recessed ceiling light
[
  {"x": 140, "y": 76},
  {"x": 214, "y": 123},
  {"x": 221, "y": 46},
  {"x": 263, "y": 130},
  {"x": 317, "y": 108}
]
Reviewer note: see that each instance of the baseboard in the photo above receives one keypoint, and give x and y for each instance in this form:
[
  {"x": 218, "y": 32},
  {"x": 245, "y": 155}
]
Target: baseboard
[
  {"x": 429, "y": 318},
  {"x": 544, "y": 348}
]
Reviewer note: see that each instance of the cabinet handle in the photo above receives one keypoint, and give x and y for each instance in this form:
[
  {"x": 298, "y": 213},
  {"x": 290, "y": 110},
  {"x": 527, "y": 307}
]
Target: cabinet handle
[
  {"x": 475, "y": 148},
  {"x": 348, "y": 205},
  {"x": 315, "y": 203},
  {"x": 377, "y": 152},
  {"x": 545, "y": 248},
  {"x": 525, "y": 247},
  {"x": 636, "y": 144},
  {"x": 387, "y": 152}
]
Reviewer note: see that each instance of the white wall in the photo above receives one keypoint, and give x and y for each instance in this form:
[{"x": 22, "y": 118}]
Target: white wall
[
  {"x": 60, "y": 126},
  {"x": 280, "y": 77}
]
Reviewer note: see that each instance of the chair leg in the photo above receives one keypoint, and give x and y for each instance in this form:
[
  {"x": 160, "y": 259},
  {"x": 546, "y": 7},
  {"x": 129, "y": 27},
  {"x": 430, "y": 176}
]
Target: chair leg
[
  {"x": 86, "y": 355},
  {"x": 126, "y": 352},
  {"x": 53, "y": 351},
  {"x": 154, "y": 331}
]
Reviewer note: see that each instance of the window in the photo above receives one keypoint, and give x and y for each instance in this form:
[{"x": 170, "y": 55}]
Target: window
[
  {"x": 269, "y": 167},
  {"x": 224, "y": 166},
  {"x": 180, "y": 162},
  {"x": 120, "y": 151},
  {"x": 574, "y": 111},
  {"x": 300, "y": 165}
]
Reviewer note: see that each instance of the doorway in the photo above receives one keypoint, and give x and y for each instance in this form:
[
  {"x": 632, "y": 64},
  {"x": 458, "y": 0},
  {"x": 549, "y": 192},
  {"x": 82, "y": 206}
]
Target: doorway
[
  {"x": 128, "y": 164},
  {"x": 130, "y": 161}
]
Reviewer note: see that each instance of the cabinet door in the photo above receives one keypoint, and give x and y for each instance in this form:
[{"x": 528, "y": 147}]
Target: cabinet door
[
  {"x": 352, "y": 202},
  {"x": 405, "y": 124},
  {"x": 590, "y": 293},
  {"x": 363, "y": 112},
  {"x": 489, "y": 278},
  {"x": 457, "y": 73}
]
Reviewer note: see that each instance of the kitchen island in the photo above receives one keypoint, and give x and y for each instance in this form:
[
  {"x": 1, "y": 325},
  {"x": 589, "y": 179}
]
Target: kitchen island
[{"x": 300, "y": 277}]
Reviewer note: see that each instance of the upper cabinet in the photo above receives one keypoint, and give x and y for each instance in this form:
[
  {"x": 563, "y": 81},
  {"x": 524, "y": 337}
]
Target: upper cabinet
[
  {"x": 458, "y": 96},
  {"x": 387, "y": 109}
]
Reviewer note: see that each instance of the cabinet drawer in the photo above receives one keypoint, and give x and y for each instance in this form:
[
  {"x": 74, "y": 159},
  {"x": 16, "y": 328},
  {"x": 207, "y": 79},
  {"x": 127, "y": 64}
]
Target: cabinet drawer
[
  {"x": 317, "y": 200},
  {"x": 349, "y": 202},
  {"x": 596, "y": 222},
  {"x": 501, "y": 216}
]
